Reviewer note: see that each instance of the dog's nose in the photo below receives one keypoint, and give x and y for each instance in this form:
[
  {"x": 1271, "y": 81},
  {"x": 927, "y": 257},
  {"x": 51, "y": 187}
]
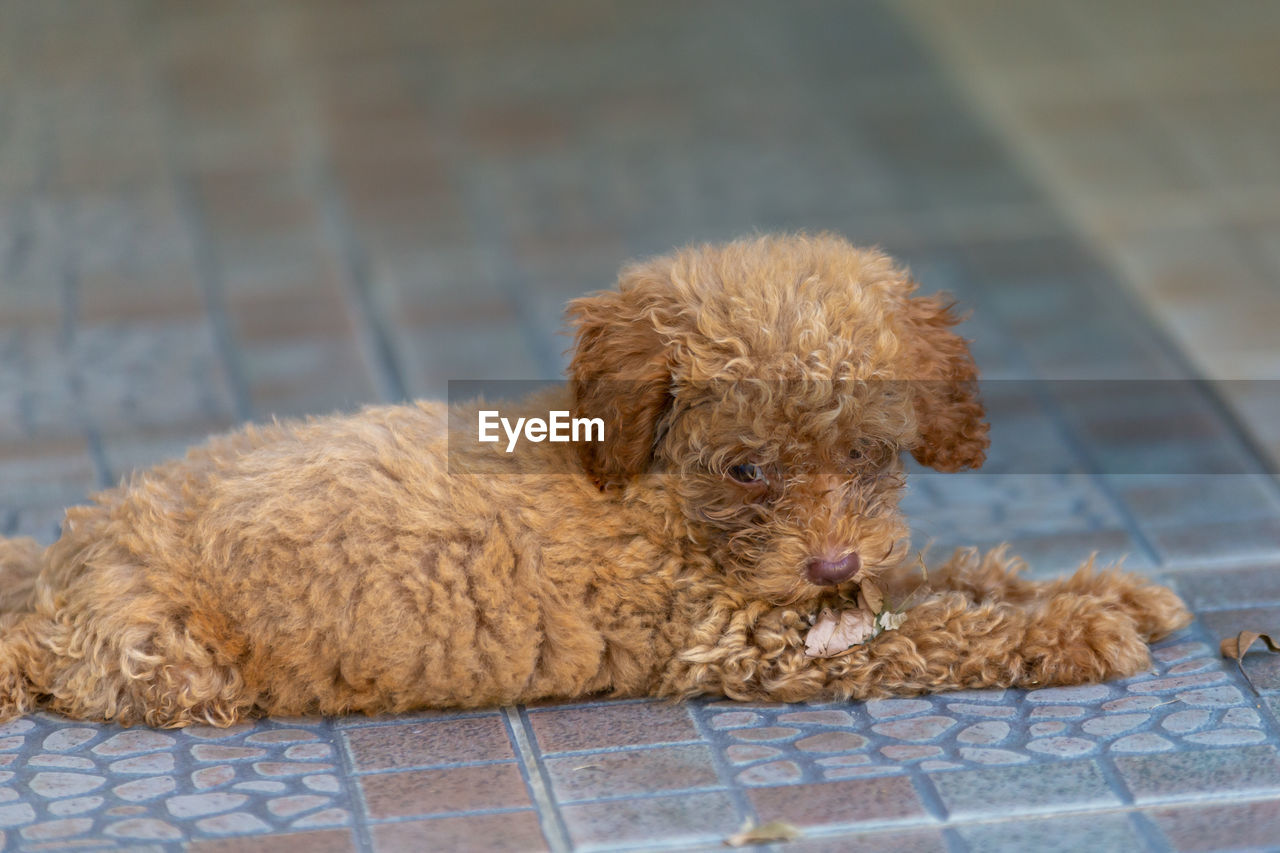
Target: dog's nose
[{"x": 832, "y": 572}]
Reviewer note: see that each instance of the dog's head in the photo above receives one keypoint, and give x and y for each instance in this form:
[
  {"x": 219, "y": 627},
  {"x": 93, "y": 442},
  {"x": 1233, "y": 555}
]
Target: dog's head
[{"x": 772, "y": 384}]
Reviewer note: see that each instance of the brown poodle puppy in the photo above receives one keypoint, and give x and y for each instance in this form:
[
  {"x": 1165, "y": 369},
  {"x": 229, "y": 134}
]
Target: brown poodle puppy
[{"x": 755, "y": 397}]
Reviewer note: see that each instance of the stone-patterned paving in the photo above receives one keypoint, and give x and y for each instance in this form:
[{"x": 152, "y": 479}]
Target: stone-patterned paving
[
  {"x": 72, "y": 781},
  {"x": 1188, "y": 700},
  {"x": 362, "y": 201}
]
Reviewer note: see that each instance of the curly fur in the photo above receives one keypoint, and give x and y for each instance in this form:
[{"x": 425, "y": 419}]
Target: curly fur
[{"x": 360, "y": 563}]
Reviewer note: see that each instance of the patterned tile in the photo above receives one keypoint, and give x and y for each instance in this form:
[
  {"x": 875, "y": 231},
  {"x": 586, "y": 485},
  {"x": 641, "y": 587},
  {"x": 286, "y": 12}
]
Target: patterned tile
[
  {"x": 419, "y": 793},
  {"x": 1259, "y": 667},
  {"x": 1176, "y": 500},
  {"x": 631, "y": 772},
  {"x": 1251, "y": 770},
  {"x": 1272, "y": 703},
  {"x": 156, "y": 292},
  {"x": 1007, "y": 506},
  {"x": 428, "y": 743},
  {"x": 900, "y": 841},
  {"x": 45, "y": 472},
  {"x": 1218, "y": 542},
  {"x": 1219, "y": 826},
  {"x": 517, "y": 832},
  {"x": 990, "y": 792},
  {"x": 301, "y": 377},
  {"x": 1054, "y": 554},
  {"x": 315, "y": 841},
  {"x": 135, "y": 376},
  {"x": 1228, "y": 588},
  {"x": 826, "y": 805},
  {"x": 611, "y": 725},
  {"x": 1061, "y": 835},
  {"x": 1255, "y": 615},
  {"x": 92, "y": 780},
  {"x": 668, "y": 820},
  {"x": 1189, "y": 699},
  {"x": 36, "y": 398}
]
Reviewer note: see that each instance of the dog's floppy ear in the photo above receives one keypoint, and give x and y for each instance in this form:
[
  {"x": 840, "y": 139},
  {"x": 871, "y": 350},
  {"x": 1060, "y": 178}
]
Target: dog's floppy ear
[
  {"x": 944, "y": 388},
  {"x": 620, "y": 371}
]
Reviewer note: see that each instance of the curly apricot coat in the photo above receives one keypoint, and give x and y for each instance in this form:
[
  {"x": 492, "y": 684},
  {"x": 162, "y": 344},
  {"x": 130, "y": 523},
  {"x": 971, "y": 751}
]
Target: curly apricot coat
[{"x": 756, "y": 395}]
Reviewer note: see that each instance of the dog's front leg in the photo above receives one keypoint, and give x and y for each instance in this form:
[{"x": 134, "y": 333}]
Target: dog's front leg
[
  {"x": 948, "y": 642},
  {"x": 997, "y": 575}
]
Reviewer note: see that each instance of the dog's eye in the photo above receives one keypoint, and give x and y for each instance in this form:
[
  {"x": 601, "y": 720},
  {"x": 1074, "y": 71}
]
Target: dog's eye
[
  {"x": 855, "y": 454},
  {"x": 749, "y": 474}
]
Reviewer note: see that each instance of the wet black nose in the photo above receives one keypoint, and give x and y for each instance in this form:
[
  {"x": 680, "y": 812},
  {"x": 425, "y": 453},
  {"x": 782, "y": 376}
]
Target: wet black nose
[{"x": 832, "y": 572}]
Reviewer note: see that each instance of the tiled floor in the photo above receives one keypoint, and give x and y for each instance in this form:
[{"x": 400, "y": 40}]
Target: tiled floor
[
  {"x": 218, "y": 212},
  {"x": 1155, "y": 129}
]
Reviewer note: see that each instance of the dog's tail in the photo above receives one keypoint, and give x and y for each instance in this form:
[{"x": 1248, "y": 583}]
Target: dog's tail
[{"x": 20, "y": 562}]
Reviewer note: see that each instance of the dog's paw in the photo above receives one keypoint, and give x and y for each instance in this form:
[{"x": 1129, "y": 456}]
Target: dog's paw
[
  {"x": 1160, "y": 612},
  {"x": 1078, "y": 639},
  {"x": 1156, "y": 610}
]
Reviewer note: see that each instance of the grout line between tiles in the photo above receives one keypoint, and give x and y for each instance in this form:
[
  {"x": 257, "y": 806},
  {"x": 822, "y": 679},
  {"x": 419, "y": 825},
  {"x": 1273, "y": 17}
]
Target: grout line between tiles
[
  {"x": 928, "y": 794},
  {"x": 1107, "y": 767},
  {"x": 955, "y": 844},
  {"x": 355, "y": 791},
  {"x": 536, "y": 780},
  {"x": 1147, "y": 830}
]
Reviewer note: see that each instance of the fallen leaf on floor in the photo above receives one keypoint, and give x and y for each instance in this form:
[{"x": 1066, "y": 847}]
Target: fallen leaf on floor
[
  {"x": 1236, "y": 647},
  {"x": 891, "y": 621},
  {"x": 872, "y": 598},
  {"x": 819, "y": 636},
  {"x": 774, "y": 830},
  {"x": 835, "y": 634}
]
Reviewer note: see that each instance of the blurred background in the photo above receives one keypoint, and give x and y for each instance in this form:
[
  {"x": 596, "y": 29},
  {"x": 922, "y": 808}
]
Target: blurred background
[{"x": 216, "y": 212}]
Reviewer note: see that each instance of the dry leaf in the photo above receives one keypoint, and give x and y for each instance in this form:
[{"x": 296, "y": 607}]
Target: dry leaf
[
  {"x": 819, "y": 636},
  {"x": 832, "y": 635},
  {"x": 856, "y": 626},
  {"x": 891, "y": 621},
  {"x": 1236, "y": 647},
  {"x": 872, "y": 598},
  {"x": 774, "y": 830}
]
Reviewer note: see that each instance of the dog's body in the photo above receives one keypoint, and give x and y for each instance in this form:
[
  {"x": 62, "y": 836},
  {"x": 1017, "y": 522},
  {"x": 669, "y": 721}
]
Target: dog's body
[{"x": 756, "y": 397}]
